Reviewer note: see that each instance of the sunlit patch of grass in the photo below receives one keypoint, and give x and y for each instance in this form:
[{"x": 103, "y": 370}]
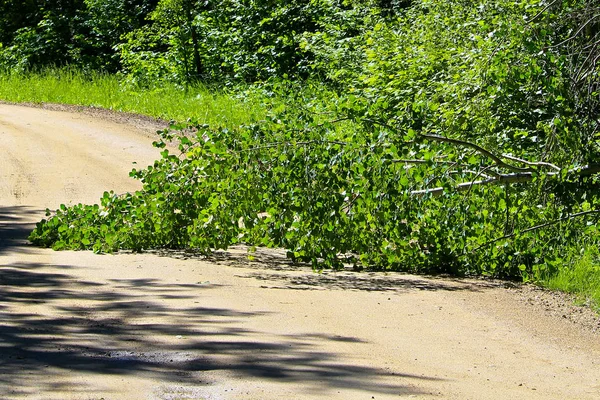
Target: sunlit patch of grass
[
  {"x": 580, "y": 275},
  {"x": 170, "y": 102}
]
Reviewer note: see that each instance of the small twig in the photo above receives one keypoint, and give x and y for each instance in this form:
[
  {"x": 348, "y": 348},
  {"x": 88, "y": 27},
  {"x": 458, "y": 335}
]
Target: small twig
[
  {"x": 587, "y": 72},
  {"x": 540, "y": 226},
  {"x": 476, "y": 173},
  {"x": 348, "y": 207},
  {"x": 416, "y": 161},
  {"x": 476, "y": 147},
  {"x": 304, "y": 143},
  {"x": 541, "y": 12},
  {"x": 477, "y": 176},
  {"x": 335, "y": 121},
  {"x": 581, "y": 28},
  {"x": 506, "y": 186},
  {"x": 533, "y": 164}
]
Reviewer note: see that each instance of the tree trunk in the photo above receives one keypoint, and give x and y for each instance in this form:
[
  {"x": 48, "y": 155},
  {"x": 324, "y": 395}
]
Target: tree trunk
[{"x": 198, "y": 69}]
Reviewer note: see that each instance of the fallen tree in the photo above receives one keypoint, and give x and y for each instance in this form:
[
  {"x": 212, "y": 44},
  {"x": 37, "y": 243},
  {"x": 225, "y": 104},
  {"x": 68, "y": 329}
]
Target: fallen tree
[{"x": 467, "y": 152}]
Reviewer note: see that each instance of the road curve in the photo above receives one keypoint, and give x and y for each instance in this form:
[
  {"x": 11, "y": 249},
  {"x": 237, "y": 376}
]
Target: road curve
[{"x": 75, "y": 325}]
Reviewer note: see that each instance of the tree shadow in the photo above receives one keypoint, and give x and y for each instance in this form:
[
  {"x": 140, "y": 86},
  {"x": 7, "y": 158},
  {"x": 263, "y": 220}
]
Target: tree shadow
[
  {"x": 56, "y": 324},
  {"x": 16, "y": 225},
  {"x": 367, "y": 281},
  {"x": 279, "y": 272},
  {"x": 239, "y": 256}
]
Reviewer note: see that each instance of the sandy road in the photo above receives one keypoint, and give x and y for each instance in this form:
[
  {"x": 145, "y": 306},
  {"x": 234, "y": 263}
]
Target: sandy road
[{"x": 74, "y": 325}]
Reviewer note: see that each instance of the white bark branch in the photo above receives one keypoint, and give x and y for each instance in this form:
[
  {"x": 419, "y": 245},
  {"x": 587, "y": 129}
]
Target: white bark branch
[{"x": 507, "y": 178}]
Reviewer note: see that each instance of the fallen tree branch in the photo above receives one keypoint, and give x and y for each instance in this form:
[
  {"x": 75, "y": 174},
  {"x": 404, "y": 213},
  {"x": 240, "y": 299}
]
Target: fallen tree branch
[{"x": 586, "y": 170}]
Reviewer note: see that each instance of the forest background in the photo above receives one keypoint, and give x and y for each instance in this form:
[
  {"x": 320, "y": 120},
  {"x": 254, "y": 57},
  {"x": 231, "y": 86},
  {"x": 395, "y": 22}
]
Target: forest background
[{"x": 427, "y": 136}]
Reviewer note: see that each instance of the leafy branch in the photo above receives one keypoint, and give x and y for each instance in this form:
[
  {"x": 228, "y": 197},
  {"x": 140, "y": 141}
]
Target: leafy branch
[{"x": 443, "y": 139}]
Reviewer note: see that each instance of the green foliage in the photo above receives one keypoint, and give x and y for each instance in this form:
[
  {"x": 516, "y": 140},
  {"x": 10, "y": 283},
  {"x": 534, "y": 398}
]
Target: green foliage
[
  {"x": 48, "y": 41},
  {"x": 15, "y": 14},
  {"x": 487, "y": 79},
  {"x": 260, "y": 41},
  {"x": 165, "y": 50},
  {"x": 104, "y": 24},
  {"x": 38, "y": 34},
  {"x": 240, "y": 41}
]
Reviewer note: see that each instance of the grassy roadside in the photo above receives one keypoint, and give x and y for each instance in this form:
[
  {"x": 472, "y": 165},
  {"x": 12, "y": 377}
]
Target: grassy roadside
[
  {"x": 64, "y": 86},
  {"x": 580, "y": 274}
]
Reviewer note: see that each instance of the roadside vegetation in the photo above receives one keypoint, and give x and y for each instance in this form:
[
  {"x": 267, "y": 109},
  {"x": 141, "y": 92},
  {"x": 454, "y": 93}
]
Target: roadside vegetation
[
  {"x": 426, "y": 136},
  {"x": 579, "y": 274},
  {"x": 215, "y": 106}
]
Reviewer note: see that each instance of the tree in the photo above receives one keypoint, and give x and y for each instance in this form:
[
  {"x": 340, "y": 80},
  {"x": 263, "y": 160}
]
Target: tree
[
  {"x": 38, "y": 33},
  {"x": 166, "y": 49},
  {"x": 106, "y": 21},
  {"x": 43, "y": 34}
]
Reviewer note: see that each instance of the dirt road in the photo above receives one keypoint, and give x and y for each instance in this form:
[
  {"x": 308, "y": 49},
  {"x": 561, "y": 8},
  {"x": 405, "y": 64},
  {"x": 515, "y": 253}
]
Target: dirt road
[{"x": 74, "y": 325}]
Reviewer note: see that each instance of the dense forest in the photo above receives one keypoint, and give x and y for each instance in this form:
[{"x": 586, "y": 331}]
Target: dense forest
[{"x": 427, "y": 135}]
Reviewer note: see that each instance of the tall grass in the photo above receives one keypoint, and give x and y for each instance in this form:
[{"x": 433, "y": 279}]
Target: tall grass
[
  {"x": 169, "y": 102},
  {"x": 580, "y": 275}
]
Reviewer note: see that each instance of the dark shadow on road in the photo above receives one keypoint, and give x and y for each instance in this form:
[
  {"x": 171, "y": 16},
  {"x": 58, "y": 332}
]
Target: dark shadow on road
[
  {"x": 16, "y": 225},
  {"x": 56, "y": 324},
  {"x": 278, "y": 272},
  {"x": 364, "y": 281},
  {"x": 239, "y": 256}
]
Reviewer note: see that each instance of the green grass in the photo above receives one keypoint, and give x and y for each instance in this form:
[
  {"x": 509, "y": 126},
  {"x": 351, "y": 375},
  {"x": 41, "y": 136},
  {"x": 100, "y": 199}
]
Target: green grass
[
  {"x": 66, "y": 86},
  {"x": 580, "y": 275}
]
